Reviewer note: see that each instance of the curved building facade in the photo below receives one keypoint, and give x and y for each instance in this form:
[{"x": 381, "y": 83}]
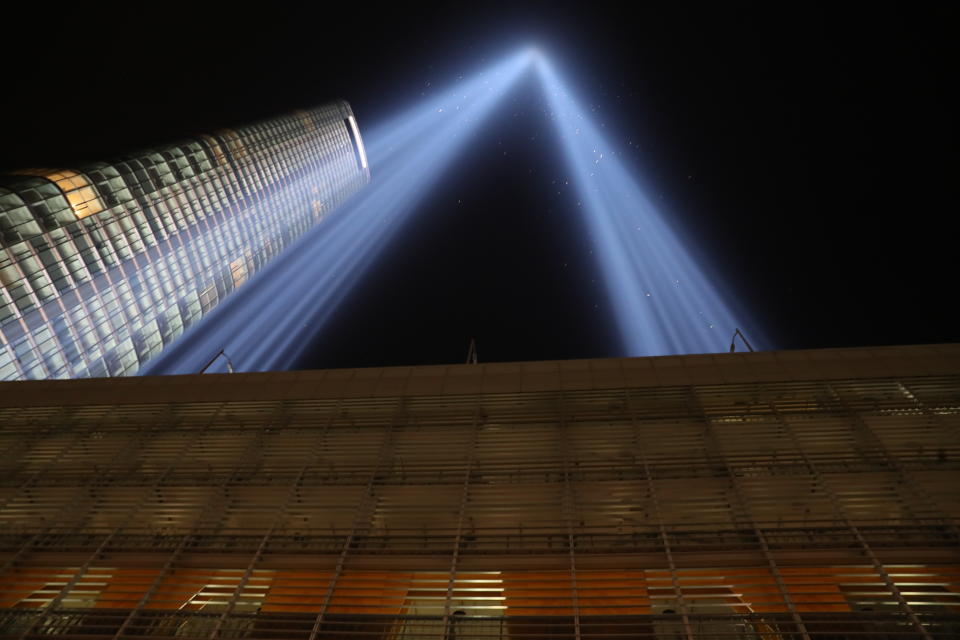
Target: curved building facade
[{"x": 104, "y": 264}]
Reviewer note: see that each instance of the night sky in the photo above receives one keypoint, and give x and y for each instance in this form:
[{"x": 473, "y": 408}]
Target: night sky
[{"x": 809, "y": 154}]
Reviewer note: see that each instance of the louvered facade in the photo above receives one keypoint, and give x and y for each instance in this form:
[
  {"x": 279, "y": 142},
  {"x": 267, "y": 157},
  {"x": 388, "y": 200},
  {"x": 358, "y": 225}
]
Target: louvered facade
[{"x": 806, "y": 495}]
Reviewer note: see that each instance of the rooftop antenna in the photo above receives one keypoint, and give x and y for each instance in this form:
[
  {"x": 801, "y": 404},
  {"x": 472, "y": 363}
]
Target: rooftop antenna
[
  {"x": 733, "y": 341},
  {"x": 214, "y": 358},
  {"x": 472, "y": 352}
]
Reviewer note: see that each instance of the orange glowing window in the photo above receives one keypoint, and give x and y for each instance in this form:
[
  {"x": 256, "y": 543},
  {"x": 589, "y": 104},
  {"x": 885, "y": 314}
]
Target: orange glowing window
[
  {"x": 234, "y": 143},
  {"x": 307, "y": 121},
  {"x": 215, "y": 148},
  {"x": 81, "y": 195},
  {"x": 238, "y": 269}
]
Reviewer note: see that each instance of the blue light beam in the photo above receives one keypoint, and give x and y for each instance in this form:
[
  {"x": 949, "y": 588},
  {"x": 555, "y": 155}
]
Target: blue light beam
[
  {"x": 262, "y": 326},
  {"x": 662, "y": 301}
]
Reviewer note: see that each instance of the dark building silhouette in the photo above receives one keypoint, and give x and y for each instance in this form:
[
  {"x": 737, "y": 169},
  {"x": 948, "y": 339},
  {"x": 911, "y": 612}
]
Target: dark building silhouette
[
  {"x": 104, "y": 264},
  {"x": 773, "y": 495}
]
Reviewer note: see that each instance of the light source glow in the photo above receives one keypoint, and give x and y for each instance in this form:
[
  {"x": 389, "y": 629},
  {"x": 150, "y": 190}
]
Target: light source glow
[{"x": 660, "y": 301}]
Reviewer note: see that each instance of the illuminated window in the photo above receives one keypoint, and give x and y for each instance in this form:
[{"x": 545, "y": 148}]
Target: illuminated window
[
  {"x": 81, "y": 195},
  {"x": 238, "y": 269},
  {"x": 233, "y": 142}
]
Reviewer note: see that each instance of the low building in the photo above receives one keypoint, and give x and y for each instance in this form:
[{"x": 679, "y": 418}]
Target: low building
[{"x": 770, "y": 495}]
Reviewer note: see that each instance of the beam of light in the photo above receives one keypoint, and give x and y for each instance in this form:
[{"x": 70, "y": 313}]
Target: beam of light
[
  {"x": 262, "y": 326},
  {"x": 662, "y": 301}
]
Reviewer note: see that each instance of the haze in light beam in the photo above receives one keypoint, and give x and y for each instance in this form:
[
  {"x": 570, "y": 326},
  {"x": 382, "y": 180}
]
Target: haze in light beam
[
  {"x": 262, "y": 325},
  {"x": 662, "y": 302},
  {"x": 660, "y": 299}
]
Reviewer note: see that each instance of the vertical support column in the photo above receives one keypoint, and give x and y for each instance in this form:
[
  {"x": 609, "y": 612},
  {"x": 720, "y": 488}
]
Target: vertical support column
[
  {"x": 134, "y": 444},
  {"x": 906, "y": 477},
  {"x": 568, "y": 507},
  {"x": 170, "y": 564},
  {"x": 840, "y": 511},
  {"x": 658, "y": 514},
  {"x": 458, "y": 539},
  {"x": 744, "y": 505},
  {"x": 950, "y": 523},
  {"x": 361, "y": 520},
  {"x": 281, "y": 511},
  {"x": 152, "y": 589},
  {"x": 55, "y": 603},
  {"x": 882, "y": 571}
]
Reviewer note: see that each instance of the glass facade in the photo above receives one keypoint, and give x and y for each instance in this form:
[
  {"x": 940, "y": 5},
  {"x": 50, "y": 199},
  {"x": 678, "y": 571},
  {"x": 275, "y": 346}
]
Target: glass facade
[
  {"x": 103, "y": 265},
  {"x": 766, "y": 496}
]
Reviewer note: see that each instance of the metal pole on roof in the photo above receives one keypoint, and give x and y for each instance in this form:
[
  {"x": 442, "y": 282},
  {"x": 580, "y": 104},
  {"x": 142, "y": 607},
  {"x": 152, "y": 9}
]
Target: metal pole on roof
[
  {"x": 214, "y": 358},
  {"x": 733, "y": 341}
]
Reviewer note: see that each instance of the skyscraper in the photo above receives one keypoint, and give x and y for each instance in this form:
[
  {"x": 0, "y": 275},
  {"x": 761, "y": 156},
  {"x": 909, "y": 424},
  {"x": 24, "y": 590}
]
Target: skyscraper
[
  {"x": 807, "y": 495},
  {"x": 104, "y": 264}
]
